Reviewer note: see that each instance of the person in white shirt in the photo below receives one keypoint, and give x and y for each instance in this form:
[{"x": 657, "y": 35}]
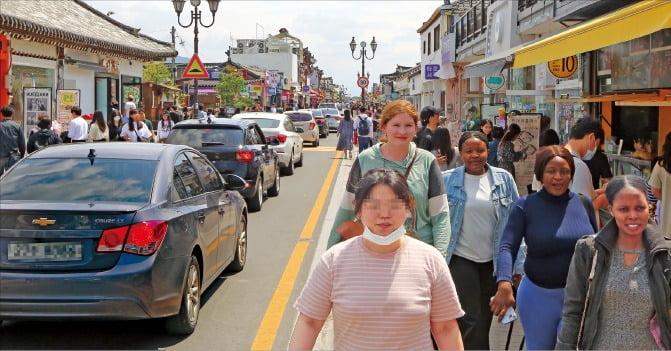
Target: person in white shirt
[
  {"x": 135, "y": 129},
  {"x": 583, "y": 142},
  {"x": 78, "y": 129},
  {"x": 164, "y": 127},
  {"x": 363, "y": 138},
  {"x": 129, "y": 105}
]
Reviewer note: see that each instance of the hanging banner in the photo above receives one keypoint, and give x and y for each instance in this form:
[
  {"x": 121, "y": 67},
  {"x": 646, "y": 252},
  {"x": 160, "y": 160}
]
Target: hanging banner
[
  {"x": 527, "y": 143},
  {"x": 65, "y": 99},
  {"x": 37, "y": 102}
]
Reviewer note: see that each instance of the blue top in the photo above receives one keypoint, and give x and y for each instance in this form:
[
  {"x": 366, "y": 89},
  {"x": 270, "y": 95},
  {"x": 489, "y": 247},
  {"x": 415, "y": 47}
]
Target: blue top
[
  {"x": 493, "y": 147},
  {"x": 550, "y": 226}
]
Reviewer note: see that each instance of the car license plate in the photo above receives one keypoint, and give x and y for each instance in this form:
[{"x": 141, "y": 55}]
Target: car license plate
[{"x": 32, "y": 252}]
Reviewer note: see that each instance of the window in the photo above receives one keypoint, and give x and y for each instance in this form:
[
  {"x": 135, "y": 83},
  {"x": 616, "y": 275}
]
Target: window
[
  {"x": 195, "y": 137},
  {"x": 300, "y": 117},
  {"x": 429, "y": 43},
  {"x": 188, "y": 177},
  {"x": 208, "y": 174},
  {"x": 424, "y": 49},
  {"x": 436, "y": 38},
  {"x": 289, "y": 126},
  {"x": 253, "y": 137},
  {"x": 267, "y": 122}
]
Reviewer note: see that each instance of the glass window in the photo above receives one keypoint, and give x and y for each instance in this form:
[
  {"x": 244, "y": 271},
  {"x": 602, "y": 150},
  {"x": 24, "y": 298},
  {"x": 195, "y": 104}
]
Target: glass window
[
  {"x": 266, "y": 122},
  {"x": 429, "y": 41},
  {"x": 331, "y": 111},
  {"x": 188, "y": 176},
  {"x": 178, "y": 190},
  {"x": 300, "y": 117},
  {"x": 30, "y": 77},
  {"x": 196, "y": 137},
  {"x": 252, "y": 137},
  {"x": 317, "y": 113},
  {"x": 76, "y": 179},
  {"x": 208, "y": 174},
  {"x": 289, "y": 126},
  {"x": 436, "y": 38}
]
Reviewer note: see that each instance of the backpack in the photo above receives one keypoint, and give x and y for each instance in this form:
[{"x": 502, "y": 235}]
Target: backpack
[{"x": 363, "y": 126}]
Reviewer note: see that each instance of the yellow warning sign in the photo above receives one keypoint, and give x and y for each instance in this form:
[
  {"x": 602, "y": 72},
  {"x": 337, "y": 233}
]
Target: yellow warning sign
[{"x": 195, "y": 69}]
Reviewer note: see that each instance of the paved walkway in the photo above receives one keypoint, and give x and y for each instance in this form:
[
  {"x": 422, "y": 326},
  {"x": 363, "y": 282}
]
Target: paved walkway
[{"x": 498, "y": 334}]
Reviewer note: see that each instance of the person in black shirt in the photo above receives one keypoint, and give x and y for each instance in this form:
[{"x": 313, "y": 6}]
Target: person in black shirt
[
  {"x": 430, "y": 119},
  {"x": 599, "y": 167}
]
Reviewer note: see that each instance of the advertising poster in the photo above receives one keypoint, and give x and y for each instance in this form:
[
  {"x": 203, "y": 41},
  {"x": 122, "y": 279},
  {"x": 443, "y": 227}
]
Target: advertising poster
[
  {"x": 65, "y": 99},
  {"x": 527, "y": 142},
  {"x": 37, "y": 103},
  {"x": 491, "y": 112}
]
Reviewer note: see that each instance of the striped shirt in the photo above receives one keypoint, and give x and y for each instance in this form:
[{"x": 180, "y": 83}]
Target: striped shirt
[{"x": 381, "y": 301}]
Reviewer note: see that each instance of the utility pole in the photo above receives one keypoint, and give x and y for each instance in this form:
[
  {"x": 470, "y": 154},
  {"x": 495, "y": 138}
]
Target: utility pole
[{"x": 174, "y": 68}]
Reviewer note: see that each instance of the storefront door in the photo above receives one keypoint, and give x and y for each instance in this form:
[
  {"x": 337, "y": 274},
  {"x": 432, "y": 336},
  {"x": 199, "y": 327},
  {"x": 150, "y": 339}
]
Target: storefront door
[{"x": 107, "y": 95}]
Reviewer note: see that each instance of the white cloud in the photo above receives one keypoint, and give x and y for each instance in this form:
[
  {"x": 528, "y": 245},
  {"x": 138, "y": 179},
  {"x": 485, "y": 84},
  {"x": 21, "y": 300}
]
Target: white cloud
[{"x": 326, "y": 27}]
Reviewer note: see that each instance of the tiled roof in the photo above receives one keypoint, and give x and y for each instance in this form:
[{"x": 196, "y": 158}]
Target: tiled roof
[{"x": 74, "y": 24}]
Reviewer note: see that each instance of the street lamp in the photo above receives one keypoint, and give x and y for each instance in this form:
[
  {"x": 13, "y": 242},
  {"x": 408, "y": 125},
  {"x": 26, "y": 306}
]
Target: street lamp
[
  {"x": 363, "y": 55},
  {"x": 196, "y": 18}
]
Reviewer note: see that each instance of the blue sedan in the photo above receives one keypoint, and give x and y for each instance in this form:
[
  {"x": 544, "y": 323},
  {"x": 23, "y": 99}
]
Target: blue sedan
[{"x": 117, "y": 231}]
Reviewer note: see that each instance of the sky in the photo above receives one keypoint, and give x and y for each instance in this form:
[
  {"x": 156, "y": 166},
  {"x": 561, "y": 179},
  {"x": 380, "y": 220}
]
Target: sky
[{"x": 325, "y": 27}]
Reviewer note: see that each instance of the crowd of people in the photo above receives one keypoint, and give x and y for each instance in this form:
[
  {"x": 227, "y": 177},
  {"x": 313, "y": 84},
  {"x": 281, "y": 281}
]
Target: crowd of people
[{"x": 432, "y": 241}]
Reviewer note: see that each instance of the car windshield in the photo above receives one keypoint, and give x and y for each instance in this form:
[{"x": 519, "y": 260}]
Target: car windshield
[
  {"x": 195, "y": 137},
  {"x": 76, "y": 179},
  {"x": 317, "y": 113},
  {"x": 331, "y": 111},
  {"x": 300, "y": 117},
  {"x": 266, "y": 122}
]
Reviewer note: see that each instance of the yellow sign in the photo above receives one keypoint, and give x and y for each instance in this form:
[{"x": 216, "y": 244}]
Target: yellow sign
[
  {"x": 195, "y": 69},
  {"x": 563, "y": 68},
  {"x": 43, "y": 222}
]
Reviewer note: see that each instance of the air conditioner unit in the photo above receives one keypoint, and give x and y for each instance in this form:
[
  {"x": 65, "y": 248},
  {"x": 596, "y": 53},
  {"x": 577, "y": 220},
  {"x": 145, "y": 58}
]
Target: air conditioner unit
[
  {"x": 241, "y": 45},
  {"x": 261, "y": 45}
]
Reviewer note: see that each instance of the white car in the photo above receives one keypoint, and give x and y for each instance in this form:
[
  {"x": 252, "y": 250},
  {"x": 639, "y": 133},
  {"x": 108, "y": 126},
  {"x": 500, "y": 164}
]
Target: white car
[
  {"x": 306, "y": 121},
  {"x": 282, "y": 136}
]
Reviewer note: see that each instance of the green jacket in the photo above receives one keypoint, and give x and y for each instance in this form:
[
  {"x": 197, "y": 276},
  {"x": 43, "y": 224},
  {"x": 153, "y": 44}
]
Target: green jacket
[
  {"x": 425, "y": 181},
  {"x": 658, "y": 249}
]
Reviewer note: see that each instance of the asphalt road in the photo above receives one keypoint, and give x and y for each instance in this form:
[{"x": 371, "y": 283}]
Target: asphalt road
[{"x": 234, "y": 307}]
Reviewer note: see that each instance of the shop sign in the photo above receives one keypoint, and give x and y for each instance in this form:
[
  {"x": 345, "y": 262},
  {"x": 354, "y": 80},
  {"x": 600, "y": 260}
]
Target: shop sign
[
  {"x": 495, "y": 82},
  {"x": 37, "y": 103},
  {"x": 65, "y": 99},
  {"x": 257, "y": 89},
  {"x": 563, "y": 68},
  {"x": 272, "y": 78},
  {"x": 430, "y": 71},
  {"x": 111, "y": 66},
  {"x": 306, "y": 88},
  {"x": 272, "y": 91}
]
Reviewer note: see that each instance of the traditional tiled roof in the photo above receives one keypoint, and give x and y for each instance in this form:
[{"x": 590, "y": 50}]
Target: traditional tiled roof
[{"x": 76, "y": 25}]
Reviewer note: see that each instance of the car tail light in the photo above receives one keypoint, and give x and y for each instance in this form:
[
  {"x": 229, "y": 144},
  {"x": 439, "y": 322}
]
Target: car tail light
[
  {"x": 312, "y": 125},
  {"x": 339, "y": 118},
  {"x": 281, "y": 138},
  {"x": 244, "y": 156},
  {"x": 142, "y": 238}
]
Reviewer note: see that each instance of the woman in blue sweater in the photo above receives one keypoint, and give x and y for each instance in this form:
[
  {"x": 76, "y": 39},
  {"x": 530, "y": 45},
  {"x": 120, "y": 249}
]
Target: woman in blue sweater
[{"x": 550, "y": 221}]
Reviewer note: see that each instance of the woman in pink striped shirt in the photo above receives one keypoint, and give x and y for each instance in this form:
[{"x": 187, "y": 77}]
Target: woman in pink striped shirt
[{"x": 386, "y": 290}]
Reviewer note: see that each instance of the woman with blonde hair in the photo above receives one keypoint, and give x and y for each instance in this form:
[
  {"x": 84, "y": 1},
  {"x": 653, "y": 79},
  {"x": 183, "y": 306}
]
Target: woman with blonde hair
[{"x": 420, "y": 168}]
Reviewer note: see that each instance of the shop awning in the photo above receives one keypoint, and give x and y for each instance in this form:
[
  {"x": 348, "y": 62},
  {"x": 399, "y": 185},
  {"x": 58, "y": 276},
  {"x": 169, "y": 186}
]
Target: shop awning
[
  {"x": 490, "y": 65},
  {"x": 637, "y": 20}
]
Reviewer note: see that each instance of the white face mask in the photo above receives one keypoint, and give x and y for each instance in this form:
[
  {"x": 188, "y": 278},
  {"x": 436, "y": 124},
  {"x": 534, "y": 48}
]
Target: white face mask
[
  {"x": 590, "y": 153},
  {"x": 383, "y": 240}
]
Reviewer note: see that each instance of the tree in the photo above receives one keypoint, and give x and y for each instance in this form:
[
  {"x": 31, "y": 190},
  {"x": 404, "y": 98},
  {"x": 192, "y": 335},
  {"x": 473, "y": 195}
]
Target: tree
[
  {"x": 155, "y": 72},
  {"x": 229, "y": 89}
]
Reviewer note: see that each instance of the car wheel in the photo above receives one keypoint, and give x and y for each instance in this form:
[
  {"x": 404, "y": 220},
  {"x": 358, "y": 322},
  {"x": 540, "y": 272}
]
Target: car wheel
[
  {"x": 275, "y": 189},
  {"x": 289, "y": 169},
  {"x": 240, "y": 249},
  {"x": 256, "y": 201},
  {"x": 184, "y": 322},
  {"x": 299, "y": 163},
  {"x": 316, "y": 143}
]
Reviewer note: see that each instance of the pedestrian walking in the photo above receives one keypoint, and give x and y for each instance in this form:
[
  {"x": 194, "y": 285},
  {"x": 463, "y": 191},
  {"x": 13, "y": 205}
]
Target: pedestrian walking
[
  {"x": 164, "y": 127},
  {"x": 583, "y": 142},
  {"x": 618, "y": 294},
  {"x": 402, "y": 297},
  {"x": 432, "y": 222},
  {"x": 364, "y": 129},
  {"x": 486, "y": 129},
  {"x": 446, "y": 154},
  {"x": 44, "y": 137},
  {"x": 78, "y": 129},
  {"x": 98, "y": 131},
  {"x": 550, "y": 222},
  {"x": 12, "y": 140},
  {"x": 135, "y": 130},
  {"x": 660, "y": 182},
  {"x": 480, "y": 199},
  {"x": 493, "y": 146},
  {"x": 114, "y": 126},
  {"x": 429, "y": 118},
  {"x": 345, "y": 134},
  {"x": 127, "y": 107},
  {"x": 506, "y": 154},
  {"x": 201, "y": 112}
]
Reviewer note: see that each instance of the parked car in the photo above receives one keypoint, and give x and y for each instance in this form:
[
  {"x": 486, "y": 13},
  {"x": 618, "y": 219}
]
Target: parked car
[
  {"x": 321, "y": 121},
  {"x": 280, "y": 130},
  {"x": 333, "y": 117},
  {"x": 303, "y": 119},
  {"x": 117, "y": 231},
  {"x": 235, "y": 146}
]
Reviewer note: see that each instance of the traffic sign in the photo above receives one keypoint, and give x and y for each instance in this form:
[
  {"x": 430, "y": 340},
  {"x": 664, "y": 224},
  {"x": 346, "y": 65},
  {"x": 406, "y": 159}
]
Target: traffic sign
[
  {"x": 306, "y": 88},
  {"x": 563, "y": 68},
  {"x": 195, "y": 69},
  {"x": 362, "y": 82}
]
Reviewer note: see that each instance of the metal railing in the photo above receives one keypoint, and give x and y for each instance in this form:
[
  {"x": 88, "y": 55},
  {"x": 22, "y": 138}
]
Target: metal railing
[
  {"x": 473, "y": 22},
  {"x": 524, "y": 4}
]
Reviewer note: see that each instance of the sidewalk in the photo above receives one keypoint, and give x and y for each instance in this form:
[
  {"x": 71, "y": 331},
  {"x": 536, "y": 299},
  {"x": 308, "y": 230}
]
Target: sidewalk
[{"x": 499, "y": 332}]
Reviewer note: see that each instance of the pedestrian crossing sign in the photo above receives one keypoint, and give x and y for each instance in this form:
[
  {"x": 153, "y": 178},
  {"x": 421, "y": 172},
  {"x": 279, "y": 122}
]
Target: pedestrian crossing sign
[{"x": 195, "y": 69}]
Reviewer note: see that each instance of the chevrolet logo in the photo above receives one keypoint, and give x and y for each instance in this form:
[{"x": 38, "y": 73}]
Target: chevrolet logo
[{"x": 43, "y": 222}]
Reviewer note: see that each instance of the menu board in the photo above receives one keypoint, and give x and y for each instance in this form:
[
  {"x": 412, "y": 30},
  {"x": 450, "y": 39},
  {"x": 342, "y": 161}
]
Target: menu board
[
  {"x": 527, "y": 142},
  {"x": 65, "y": 99}
]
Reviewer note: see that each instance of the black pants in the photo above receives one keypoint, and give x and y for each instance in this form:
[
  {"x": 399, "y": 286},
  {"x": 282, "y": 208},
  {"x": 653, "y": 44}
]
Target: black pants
[{"x": 475, "y": 285}]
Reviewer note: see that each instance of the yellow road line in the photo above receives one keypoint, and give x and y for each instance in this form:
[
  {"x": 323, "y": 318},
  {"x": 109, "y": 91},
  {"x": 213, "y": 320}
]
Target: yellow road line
[{"x": 265, "y": 336}]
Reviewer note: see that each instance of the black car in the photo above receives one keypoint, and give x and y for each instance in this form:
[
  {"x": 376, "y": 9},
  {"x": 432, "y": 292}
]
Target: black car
[
  {"x": 117, "y": 231},
  {"x": 235, "y": 147}
]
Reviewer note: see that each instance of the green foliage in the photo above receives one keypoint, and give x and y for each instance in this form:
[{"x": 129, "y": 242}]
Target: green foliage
[
  {"x": 155, "y": 72},
  {"x": 229, "y": 89}
]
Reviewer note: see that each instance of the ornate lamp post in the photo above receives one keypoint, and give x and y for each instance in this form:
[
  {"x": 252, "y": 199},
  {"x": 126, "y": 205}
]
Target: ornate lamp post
[
  {"x": 196, "y": 18},
  {"x": 363, "y": 55}
]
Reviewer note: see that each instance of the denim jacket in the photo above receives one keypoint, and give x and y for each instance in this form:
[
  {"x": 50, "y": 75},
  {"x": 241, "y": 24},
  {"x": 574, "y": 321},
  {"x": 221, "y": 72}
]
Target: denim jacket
[{"x": 504, "y": 195}]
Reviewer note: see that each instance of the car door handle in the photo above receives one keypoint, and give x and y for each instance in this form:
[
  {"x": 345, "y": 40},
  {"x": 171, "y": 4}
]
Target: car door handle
[{"x": 201, "y": 217}]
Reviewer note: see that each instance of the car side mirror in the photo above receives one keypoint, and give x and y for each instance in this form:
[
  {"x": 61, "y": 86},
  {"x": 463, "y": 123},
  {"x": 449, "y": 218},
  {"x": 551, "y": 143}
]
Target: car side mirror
[
  {"x": 234, "y": 182},
  {"x": 300, "y": 130}
]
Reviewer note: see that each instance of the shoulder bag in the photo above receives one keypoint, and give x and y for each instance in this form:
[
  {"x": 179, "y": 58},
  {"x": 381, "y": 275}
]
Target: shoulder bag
[{"x": 349, "y": 229}]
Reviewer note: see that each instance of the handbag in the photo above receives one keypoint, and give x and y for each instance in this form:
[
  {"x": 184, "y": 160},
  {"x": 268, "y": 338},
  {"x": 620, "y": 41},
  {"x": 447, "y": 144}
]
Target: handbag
[
  {"x": 349, "y": 229},
  {"x": 141, "y": 139}
]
